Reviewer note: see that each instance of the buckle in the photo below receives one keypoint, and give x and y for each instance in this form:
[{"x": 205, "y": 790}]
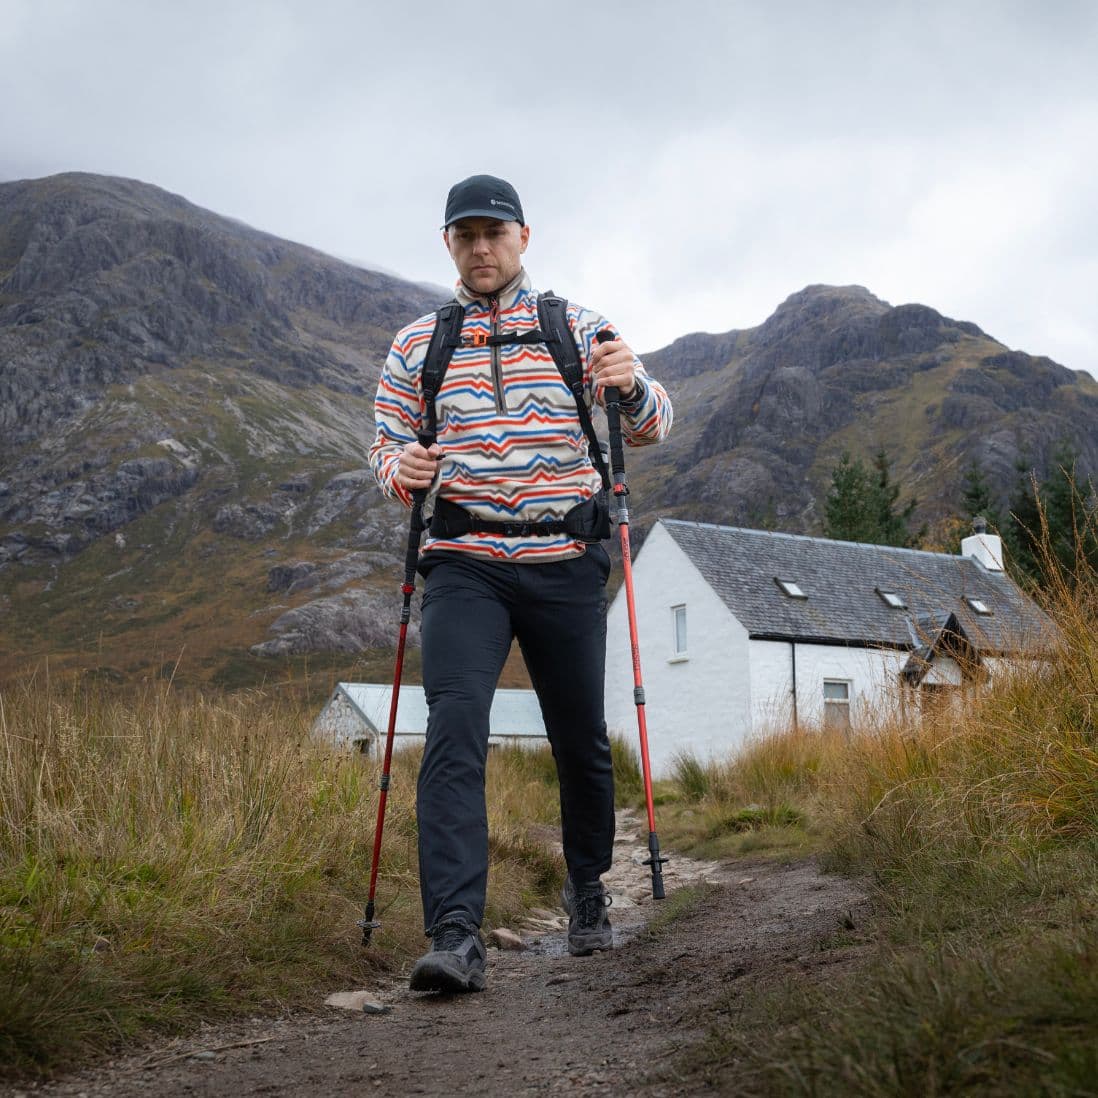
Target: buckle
[{"x": 477, "y": 338}]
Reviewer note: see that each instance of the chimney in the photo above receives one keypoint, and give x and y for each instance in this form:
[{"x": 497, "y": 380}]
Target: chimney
[{"x": 983, "y": 547}]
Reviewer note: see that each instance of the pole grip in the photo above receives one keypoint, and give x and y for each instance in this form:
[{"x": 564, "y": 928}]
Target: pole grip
[
  {"x": 426, "y": 439},
  {"x": 613, "y": 419}
]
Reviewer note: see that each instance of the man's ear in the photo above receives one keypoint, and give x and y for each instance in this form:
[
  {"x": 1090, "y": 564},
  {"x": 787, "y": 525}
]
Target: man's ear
[
  {"x": 446, "y": 238},
  {"x": 524, "y": 237}
]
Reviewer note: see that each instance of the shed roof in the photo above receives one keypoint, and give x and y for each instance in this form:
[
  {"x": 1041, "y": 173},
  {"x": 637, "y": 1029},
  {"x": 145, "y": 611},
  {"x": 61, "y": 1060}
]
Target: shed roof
[
  {"x": 843, "y": 580},
  {"x": 514, "y": 712}
]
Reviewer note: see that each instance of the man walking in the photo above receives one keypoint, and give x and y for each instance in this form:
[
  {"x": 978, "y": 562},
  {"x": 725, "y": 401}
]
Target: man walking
[{"x": 512, "y": 552}]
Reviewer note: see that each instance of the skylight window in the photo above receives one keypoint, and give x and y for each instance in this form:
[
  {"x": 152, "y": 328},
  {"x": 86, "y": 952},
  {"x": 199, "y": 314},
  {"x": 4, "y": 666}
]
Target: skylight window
[
  {"x": 790, "y": 588},
  {"x": 892, "y": 599},
  {"x": 978, "y": 605}
]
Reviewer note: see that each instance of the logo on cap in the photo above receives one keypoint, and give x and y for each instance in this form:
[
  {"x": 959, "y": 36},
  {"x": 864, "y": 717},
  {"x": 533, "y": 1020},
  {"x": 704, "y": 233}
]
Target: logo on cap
[{"x": 497, "y": 202}]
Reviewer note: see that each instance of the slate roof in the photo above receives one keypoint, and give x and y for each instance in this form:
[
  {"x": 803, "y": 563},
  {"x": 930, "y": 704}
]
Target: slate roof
[{"x": 841, "y": 579}]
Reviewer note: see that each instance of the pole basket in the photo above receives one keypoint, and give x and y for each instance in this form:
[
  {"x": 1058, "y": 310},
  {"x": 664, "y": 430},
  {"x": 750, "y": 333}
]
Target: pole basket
[{"x": 369, "y": 924}]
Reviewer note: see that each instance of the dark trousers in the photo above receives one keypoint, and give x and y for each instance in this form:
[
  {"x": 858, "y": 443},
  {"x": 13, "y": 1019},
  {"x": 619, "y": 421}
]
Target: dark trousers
[{"x": 472, "y": 609}]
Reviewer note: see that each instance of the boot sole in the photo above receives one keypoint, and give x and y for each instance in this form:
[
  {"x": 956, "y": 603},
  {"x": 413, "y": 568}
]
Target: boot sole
[
  {"x": 431, "y": 974},
  {"x": 584, "y": 947}
]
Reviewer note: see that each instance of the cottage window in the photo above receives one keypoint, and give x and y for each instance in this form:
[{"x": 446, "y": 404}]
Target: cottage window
[
  {"x": 836, "y": 704},
  {"x": 892, "y": 599},
  {"x": 790, "y": 587},
  {"x": 978, "y": 605},
  {"x": 678, "y": 631}
]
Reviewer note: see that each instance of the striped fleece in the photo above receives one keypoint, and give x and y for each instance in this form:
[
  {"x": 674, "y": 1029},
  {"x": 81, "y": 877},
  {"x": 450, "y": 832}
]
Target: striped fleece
[{"x": 513, "y": 448}]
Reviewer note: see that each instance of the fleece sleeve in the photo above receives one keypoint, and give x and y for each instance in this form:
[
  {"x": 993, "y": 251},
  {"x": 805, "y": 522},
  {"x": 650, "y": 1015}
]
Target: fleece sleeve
[
  {"x": 397, "y": 416},
  {"x": 648, "y": 416}
]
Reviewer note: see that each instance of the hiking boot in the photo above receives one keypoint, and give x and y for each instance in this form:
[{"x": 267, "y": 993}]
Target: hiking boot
[
  {"x": 456, "y": 961},
  {"x": 588, "y": 922}
]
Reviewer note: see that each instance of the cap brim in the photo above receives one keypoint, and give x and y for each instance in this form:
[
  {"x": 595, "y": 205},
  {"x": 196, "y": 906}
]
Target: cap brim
[{"x": 496, "y": 214}]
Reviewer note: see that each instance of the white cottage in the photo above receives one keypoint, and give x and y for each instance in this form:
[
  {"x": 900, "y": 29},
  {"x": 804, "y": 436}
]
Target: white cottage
[
  {"x": 745, "y": 630},
  {"x": 357, "y": 716}
]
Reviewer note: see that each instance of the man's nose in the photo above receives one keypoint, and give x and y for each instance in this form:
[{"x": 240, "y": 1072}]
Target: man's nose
[{"x": 480, "y": 244}]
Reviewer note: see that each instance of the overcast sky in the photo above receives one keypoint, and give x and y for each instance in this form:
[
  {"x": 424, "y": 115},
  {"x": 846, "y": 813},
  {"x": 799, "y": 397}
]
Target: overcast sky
[{"x": 683, "y": 167}]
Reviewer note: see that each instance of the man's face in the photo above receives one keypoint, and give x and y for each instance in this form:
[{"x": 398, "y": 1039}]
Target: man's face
[{"x": 486, "y": 252}]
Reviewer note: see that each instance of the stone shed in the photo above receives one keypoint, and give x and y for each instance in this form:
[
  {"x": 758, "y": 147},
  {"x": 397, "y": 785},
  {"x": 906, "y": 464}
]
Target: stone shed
[{"x": 356, "y": 716}]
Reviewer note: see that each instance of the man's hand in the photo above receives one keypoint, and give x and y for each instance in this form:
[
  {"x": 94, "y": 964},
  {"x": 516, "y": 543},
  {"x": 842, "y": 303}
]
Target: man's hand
[
  {"x": 614, "y": 363},
  {"x": 417, "y": 466}
]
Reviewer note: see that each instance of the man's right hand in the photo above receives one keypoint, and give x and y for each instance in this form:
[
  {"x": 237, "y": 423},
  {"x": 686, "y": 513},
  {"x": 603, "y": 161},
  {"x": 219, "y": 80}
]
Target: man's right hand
[{"x": 417, "y": 467}]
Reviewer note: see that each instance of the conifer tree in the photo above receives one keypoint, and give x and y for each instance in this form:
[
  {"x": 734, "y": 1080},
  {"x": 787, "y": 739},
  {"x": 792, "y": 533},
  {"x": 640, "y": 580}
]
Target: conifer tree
[
  {"x": 1022, "y": 528},
  {"x": 848, "y": 509},
  {"x": 892, "y": 524},
  {"x": 1067, "y": 499},
  {"x": 861, "y": 504},
  {"x": 976, "y": 497}
]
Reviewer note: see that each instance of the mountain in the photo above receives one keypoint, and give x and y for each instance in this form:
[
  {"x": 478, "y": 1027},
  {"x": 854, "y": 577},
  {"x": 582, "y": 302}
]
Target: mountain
[
  {"x": 186, "y": 407},
  {"x": 184, "y": 402},
  {"x": 769, "y": 411}
]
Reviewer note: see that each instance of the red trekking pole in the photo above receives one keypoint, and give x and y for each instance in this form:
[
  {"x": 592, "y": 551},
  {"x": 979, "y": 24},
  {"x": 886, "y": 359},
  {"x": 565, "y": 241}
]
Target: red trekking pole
[
  {"x": 416, "y": 527},
  {"x": 617, "y": 469}
]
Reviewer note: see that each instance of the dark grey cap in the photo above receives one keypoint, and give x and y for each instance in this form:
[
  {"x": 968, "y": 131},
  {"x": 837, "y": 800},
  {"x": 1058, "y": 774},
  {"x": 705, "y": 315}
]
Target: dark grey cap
[{"x": 483, "y": 196}]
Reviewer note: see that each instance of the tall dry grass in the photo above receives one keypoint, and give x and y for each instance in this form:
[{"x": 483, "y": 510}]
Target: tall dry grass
[{"x": 166, "y": 857}]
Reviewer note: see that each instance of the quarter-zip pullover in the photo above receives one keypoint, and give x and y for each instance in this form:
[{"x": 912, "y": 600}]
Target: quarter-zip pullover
[{"x": 513, "y": 448}]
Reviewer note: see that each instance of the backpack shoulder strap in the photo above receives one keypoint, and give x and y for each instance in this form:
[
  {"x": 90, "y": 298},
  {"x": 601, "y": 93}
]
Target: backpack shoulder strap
[
  {"x": 553, "y": 322},
  {"x": 445, "y": 339}
]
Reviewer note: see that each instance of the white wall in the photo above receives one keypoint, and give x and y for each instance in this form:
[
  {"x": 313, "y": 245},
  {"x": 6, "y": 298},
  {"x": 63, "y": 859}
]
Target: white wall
[
  {"x": 700, "y": 704},
  {"x": 873, "y": 675},
  {"x": 944, "y": 671}
]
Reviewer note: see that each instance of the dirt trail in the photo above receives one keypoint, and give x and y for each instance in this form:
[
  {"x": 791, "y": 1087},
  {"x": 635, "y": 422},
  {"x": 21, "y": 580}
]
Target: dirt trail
[{"x": 548, "y": 1023}]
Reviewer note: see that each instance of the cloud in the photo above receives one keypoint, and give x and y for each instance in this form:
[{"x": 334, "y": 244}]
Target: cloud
[{"x": 683, "y": 168}]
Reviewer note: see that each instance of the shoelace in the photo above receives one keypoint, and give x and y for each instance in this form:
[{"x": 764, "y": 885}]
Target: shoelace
[
  {"x": 449, "y": 937},
  {"x": 590, "y": 906}
]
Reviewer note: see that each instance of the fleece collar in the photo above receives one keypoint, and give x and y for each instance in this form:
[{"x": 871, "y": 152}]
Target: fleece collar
[{"x": 508, "y": 295}]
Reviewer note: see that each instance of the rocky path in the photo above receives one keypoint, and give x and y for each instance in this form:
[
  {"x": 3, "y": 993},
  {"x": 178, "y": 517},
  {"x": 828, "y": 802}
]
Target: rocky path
[{"x": 549, "y": 1023}]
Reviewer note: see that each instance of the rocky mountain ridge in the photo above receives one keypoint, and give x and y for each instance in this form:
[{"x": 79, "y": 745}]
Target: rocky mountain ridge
[
  {"x": 186, "y": 406},
  {"x": 835, "y": 368}
]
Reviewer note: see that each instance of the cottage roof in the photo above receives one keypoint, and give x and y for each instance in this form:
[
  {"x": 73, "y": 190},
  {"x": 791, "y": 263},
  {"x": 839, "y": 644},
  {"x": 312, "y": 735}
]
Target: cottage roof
[{"x": 845, "y": 584}]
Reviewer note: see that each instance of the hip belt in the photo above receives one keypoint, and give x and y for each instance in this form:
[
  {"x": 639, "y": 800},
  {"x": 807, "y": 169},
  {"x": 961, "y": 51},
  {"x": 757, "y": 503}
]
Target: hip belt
[{"x": 588, "y": 521}]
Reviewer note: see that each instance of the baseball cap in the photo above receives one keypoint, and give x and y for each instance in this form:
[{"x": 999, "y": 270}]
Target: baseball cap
[{"x": 483, "y": 196}]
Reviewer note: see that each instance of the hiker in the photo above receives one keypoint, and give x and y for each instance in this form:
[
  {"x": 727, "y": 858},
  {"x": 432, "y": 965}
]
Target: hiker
[{"x": 513, "y": 550}]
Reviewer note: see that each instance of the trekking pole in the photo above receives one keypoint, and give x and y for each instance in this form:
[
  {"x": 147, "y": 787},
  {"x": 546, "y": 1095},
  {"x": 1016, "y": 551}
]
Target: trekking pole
[
  {"x": 617, "y": 469},
  {"x": 416, "y": 527}
]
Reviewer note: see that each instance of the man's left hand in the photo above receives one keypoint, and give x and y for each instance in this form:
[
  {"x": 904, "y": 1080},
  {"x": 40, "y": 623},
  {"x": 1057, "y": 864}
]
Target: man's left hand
[{"x": 614, "y": 364}]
